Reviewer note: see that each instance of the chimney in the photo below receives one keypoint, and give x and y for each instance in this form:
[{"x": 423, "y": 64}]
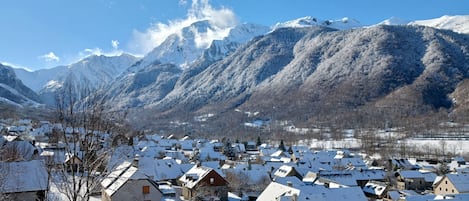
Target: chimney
[
  {"x": 135, "y": 161},
  {"x": 294, "y": 197},
  {"x": 289, "y": 184}
]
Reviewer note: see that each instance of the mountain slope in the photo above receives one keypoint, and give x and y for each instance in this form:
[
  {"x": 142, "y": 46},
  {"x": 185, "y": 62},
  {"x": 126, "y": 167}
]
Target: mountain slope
[
  {"x": 92, "y": 72},
  {"x": 13, "y": 91},
  {"x": 143, "y": 87},
  {"x": 234, "y": 78},
  {"x": 36, "y": 80},
  {"x": 161, "y": 76},
  {"x": 318, "y": 72}
]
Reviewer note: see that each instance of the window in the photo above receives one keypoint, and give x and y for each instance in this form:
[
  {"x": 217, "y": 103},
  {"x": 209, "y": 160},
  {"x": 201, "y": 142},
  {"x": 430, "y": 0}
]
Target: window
[
  {"x": 452, "y": 191},
  {"x": 212, "y": 180},
  {"x": 146, "y": 189}
]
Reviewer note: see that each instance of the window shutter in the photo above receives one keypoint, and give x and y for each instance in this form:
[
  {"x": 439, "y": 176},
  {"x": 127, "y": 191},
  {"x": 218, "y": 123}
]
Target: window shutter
[{"x": 146, "y": 189}]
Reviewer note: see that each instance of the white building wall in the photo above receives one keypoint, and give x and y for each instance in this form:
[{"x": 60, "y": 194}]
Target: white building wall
[{"x": 133, "y": 190}]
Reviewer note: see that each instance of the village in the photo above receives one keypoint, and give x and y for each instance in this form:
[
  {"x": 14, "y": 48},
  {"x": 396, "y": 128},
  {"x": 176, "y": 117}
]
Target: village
[{"x": 83, "y": 165}]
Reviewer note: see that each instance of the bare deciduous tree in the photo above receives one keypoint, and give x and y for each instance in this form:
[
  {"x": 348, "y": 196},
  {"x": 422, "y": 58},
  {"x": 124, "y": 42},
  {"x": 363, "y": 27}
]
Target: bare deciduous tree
[{"x": 85, "y": 122}]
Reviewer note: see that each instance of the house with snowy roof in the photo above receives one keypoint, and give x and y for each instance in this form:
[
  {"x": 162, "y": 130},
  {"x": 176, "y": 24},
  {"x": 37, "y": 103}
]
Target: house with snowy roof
[
  {"x": 410, "y": 180},
  {"x": 203, "y": 183},
  {"x": 73, "y": 161},
  {"x": 24, "y": 150},
  {"x": 208, "y": 153},
  {"x": 162, "y": 169},
  {"x": 414, "y": 180},
  {"x": 398, "y": 195},
  {"x": 375, "y": 189},
  {"x": 293, "y": 189},
  {"x": 287, "y": 171},
  {"x": 126, "y": 182},
  {"x": 353, "y": 177},
  {"x": 254, "y": 178},
  {"x": 452, "y": 184},
  {"x": 25, "y": 180},
  {"x": 403, "y": 164}
]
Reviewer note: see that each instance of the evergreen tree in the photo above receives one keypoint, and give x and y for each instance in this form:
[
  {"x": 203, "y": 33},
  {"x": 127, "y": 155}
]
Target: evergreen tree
[
  {"x": 281, "y": 146},
  {"x": 259, "y": 142}
]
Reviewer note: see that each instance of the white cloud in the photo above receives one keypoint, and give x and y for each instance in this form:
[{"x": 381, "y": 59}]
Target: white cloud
[
  {"x": 221, "y": 18},
  {"x": 50, "y": 57},
  {"x": 98, "y": 51},
  {"x": 115, "y": 44},
  {"x": 182, "y": 2},
  {"x": 92, "y": 51}
]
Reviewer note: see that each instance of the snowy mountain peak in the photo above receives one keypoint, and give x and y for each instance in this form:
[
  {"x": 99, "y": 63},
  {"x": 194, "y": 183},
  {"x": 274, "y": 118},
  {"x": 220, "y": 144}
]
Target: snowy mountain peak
[
  {"x": 394, "y": 21},
  {"x": 187, "y": 45},
  {"x": 457, "y": 23},
  {"x": 341, "y": 24}
]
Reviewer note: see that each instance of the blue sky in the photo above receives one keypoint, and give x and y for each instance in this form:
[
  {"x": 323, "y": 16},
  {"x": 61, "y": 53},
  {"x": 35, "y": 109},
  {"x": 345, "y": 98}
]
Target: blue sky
[{"x": 47, "y": 33}]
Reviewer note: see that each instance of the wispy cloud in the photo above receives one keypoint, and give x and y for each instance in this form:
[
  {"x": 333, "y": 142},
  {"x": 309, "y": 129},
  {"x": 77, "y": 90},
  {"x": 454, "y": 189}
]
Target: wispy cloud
[
  {"x": 98, "y": 51},
  {"x": 115, "y": 44},
  {"x": 222, "y": 19},
  {"x": 50, "y": 57},
  {"x": 182, "y": 2}
]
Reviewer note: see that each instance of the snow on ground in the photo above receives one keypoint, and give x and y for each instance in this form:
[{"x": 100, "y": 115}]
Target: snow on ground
[
  {"x": 348, "y": 143},
  {"x": 458, "y": 23},
  {"x": 455, "y": 146}
]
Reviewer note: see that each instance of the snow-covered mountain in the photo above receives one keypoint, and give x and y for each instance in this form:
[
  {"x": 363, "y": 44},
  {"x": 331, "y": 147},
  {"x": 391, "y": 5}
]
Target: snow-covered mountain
[
  {"x": 308, "y": 21},
  {"x": 457, "y": 23},
  {"x": 177, "y": 58},
  {"x": 13, "y": 91},
  {"x": 295, "y": 65},
  {"x": 307, "y": 71},
  {"x": 185, "y": 47},
  {"x": 95, "y": 69},
  {"x": 394, "y": 21},
  {"x": 93, "y": 72},
  {"x": 226, "y": 68},
  {"x": 36, "y": 80}
]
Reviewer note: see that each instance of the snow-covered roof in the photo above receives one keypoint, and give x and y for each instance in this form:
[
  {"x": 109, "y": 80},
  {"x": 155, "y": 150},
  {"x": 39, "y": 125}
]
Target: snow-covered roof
[
  {"x": 293, "y": 181},
  {"x": 410, "y": 174},
  {"x": 120, "y": 176},
  {"x": 208, "y": 153},
  {"x": 24, "y": 176},
  {"x": 276, "y": 191},
  {"x": 284, "y": 171},
  {"x": 254, "y": 175},
  {"x": 375, "y": 188},
  {"x": 430, "y": 197},
  {"x": 460, "y": 181},
  {"x": 24, "y": 148},
  {"x": 159, "y": 170},
  {"x": 192, "y": 177},
  {"x": 429, "y": 176}
]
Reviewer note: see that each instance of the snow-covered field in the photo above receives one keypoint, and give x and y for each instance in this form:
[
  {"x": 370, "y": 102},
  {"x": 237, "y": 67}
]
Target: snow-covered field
[{"x": 454, "y": 146}]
